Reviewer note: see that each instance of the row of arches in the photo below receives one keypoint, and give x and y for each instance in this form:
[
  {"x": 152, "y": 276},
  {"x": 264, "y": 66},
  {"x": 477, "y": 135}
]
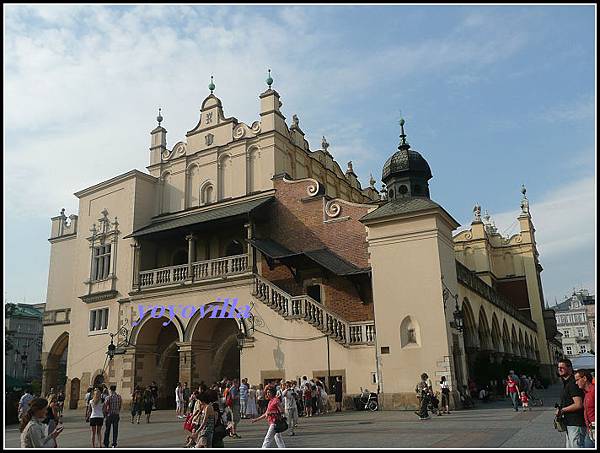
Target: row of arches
[
  {"x": 484, "y": 335},
  {"x": 199, "y": 191}
]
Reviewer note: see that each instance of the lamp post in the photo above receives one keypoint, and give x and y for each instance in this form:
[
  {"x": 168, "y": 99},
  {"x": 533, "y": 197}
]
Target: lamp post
[{"x": 458, "y": 316}]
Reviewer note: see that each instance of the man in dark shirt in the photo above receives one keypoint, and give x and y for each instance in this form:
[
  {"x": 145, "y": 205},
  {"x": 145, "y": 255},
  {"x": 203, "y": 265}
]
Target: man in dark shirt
[{"x": 571, "y": 405}]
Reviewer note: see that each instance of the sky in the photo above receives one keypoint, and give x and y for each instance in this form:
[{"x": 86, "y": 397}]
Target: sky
[{"x": 493, "y": 97}]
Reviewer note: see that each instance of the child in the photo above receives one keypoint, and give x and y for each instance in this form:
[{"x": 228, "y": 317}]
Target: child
[{"x": 525, "y": 401}]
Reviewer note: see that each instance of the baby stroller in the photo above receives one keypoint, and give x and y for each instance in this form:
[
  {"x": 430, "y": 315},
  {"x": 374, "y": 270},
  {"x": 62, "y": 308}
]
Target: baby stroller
[
  {"x": 433, "y": 403},
  {"x": 368, "y": 400}
]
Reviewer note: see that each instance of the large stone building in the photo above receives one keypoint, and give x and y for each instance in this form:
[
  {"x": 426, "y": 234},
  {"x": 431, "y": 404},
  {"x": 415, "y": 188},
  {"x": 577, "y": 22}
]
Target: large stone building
[
  {"x": 576, "y": 320},
  {"x": 23, "y": 334},
  {"x": 341, "y": 280}
]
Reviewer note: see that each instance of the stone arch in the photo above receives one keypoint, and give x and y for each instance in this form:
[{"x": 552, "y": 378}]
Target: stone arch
[
  {"x": 74, "y": 393},
  {"x": 483, "y": 330},
  {"x": 506, "y": 338},
  {"x": 521, "y": 344},
  {"x": 216, "y": 306},
  {"x": 192, "y": 186},
  {"x": 54, "y": 368},
  {"x": 410, "y": 332},
  {"x": 496, "y": 335},
  {"x": 514, "y": 341},
  {"x": 225, "y": 170},
  {"x": 253, "y": 170},
  {"x": 528, "y": 346},
  {"x": 470, "y": 332},
  {"x": 176, "y": 322}
]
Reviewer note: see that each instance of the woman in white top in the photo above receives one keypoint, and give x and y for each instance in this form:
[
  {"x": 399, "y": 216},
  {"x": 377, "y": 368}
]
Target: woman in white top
[
  {"x": 96, "y": 418},
  {"x": 251, "y": 410},
  {"x": 34, "y": 433},
  {"x": 445, "y": 386}
]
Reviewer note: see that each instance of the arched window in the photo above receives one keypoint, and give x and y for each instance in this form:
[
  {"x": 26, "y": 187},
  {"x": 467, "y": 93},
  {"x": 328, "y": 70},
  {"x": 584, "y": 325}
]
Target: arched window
[
  {"x": 253, "y": 171},
  {"x": 225, "y": 177},
  {"x": 235, "y": 247},
  {"x": 207, "y": 194},
  {"x": 193, "y": 183},
  {"x": 410, "y": 333},
  {"x": 167, "y": 190}
]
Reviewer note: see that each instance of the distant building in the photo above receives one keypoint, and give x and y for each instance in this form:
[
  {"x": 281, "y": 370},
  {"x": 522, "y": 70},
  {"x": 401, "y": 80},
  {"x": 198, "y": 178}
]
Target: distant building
[
  {"x": 23, "y": 340},
  {"x": 575, "y": 319}
]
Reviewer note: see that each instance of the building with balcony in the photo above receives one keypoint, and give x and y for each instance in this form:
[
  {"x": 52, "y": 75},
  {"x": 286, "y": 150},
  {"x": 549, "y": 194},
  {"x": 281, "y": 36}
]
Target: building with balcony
[
  {"x": 576, "y": 320},
  {"x": 336, "y": 279}
]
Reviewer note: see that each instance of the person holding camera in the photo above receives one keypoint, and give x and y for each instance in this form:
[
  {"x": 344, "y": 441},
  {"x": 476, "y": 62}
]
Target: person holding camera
[
  {"x": 570, "y": 409},
  {"x": 33, "y": 429}
]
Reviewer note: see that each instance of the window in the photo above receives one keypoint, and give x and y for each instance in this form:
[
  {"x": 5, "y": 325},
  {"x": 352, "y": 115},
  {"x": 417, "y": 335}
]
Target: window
[
  {"x": 566, "y": 333},
  {"x": 99, "y": 319},
  {"x": 101, "y": 265},
  {"x": 569, "y": 350},
  {"x": 580, "y": 332},
  {"x": 583, "y": 348}
]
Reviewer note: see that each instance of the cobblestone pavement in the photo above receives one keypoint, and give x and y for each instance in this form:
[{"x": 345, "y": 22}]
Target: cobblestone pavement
[{"x": 487, "y": 425}]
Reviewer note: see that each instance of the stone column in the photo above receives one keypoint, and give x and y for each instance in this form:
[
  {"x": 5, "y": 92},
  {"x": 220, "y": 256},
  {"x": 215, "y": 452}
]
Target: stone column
[
  {"x": 185, "y": 362},
  {"x": 191, "y": 238},
  {"x": 136, "y": 264},
  {"x": 250, "y": 235}
]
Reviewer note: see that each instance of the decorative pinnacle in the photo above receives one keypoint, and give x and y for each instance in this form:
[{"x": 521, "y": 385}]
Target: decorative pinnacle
[
  {"x": 324, "y": 144},
  {"x": 211, "y": 85},
  {"x": 477, "y": 212},
  {"x": 159, "y": 118},
  {"x": 269, "y": 80},
  {"x": 524, "y": 200},
  {"x": 372, "y": 181},
  {"x": 523, "y": 190},
  {"x": 404, "y": 145}
]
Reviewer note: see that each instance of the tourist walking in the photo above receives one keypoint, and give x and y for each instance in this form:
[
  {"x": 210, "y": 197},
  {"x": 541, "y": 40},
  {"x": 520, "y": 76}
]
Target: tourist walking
[
  {"x": 251, "y": 409},
  {"x": 207, "y": 423},
  {"x": 112, "y": 409},
  {"x": 261, "y": 401},
  {"x": 243, "y": 397},
  {"x": 423, "y": 391},
  {"x": 445, "y": 389},
  {"x": 234, "y": 395},
  {"x": 24, "y": 402},
  {"x": 571, "y": 406},
  {"x": 154, "y": 389},
  {"x": 525, "y": 401},
  {"x": 291, "y": 408},
  {"x": 136, "y": 404},
  {"x": 33, "y": 430},
  {"x": 584, "y": 380},
  {"x": 273, "y": 414},
  {"x": 60, "y": 402},
  {"x": 307, "y": 400},
  {"x": 338, "y": 394},
  {"x": 148, "y": 401},
  {"x": 96, "y": 418},
  {"x": 512, "y": 390},
  {"x": 52, "y": 417}
]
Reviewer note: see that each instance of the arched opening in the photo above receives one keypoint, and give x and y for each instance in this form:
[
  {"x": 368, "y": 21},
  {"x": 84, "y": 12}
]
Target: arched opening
[
  {"x": 157, "y": 356},
  {"x": 410, "y": 333},
  {"x": 179, "y": 257},
  {"x": 192, "y": 186},
  {"x": 225, "y": 177},
  {"x": 483, "y": 331},
  {"x": 506, "y": 338},
  {"x": 470, "y": 335},
  {"x": 253, "y": 171},
  {"x": 55, "y": 370},
  {"x": 496, "y": 336},
  {"x": 207, "y": 194},
  {"x": 74, "y": 393}
]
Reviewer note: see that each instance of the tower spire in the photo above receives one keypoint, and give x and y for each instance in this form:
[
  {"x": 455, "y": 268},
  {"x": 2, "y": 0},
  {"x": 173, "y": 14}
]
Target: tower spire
[
  {"x": 269, "y": 79},
  {"x": 159, "y": 118},
  {"x": 404, "y": 145},
  {"x": 211, "y": 85}
]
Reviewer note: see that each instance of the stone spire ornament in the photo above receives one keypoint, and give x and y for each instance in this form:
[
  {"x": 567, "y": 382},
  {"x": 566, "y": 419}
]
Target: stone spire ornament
[
  {"x": 350, "y": 169},
  {"x": 404, "y": 145},
  {"x": 295, "y": 122},
  {"x": 486, "y": 217},
  {"x": 269, "y": 79},
  {"x": 211, "y": 85},
  {"x": 383, "y": 193},
  {"x": 371, "y": 181},
  {"x": 524, "y": 201},
  {"x": 324, "y": 144},
  {"x": 477, "y": 213},
  {"x": 159, "y": 118}
]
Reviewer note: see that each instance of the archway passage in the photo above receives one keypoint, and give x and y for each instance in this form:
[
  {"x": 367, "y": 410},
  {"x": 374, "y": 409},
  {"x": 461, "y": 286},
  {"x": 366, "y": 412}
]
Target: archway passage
[
  {"x": 55, "y": 369},
  {"x": 215, "y": 353},
  {"x": 157, "y": 359}
]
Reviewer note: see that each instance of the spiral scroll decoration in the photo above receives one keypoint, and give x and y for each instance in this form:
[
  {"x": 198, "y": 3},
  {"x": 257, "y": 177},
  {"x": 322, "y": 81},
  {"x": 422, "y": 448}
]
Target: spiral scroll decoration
[
  {"x": 239, "y": 131},
  {"x": 255, "y": 127},
  {"x": 332, "y": 209},
  {"x": 313, "y": 189}
]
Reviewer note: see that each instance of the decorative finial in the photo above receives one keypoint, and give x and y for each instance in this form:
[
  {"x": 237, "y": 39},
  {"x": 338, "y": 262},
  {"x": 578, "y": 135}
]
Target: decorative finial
[
  {"x": 404, "y": 145},
  {"x": 295, "y": 121},
  {"x": 524, "y": 200},
  {"x": 159, "y": 118},
  {"x": 269, "y": 80},
  {"x": 62, "y": 212},
  {"x": 477, "y": 212},
  {"x": 324, "y": 144},
  {"x": 486, "y": 217},
  {"x": 383, "y": 193},
  {"x": 350, "y": 170},
  {"x": 211, "y": 85},
  {"x": 372, "y": 181}
]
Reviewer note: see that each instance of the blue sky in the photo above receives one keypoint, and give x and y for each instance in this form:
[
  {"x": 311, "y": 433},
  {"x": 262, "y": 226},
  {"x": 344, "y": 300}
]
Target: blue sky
[{"x": 493, "y": 97}]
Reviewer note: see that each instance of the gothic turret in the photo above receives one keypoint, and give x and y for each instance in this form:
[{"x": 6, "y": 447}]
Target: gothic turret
[{"x": 406, "y": 173}]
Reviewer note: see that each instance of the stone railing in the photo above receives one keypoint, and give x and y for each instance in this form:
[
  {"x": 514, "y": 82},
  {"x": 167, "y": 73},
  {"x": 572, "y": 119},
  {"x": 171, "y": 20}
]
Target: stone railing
[
  {"x": 306, "y": 308},
  {"x": 201, "y": 270},
  {"x": 60, "y": 316},
  {"x": 468, "y": 278}
]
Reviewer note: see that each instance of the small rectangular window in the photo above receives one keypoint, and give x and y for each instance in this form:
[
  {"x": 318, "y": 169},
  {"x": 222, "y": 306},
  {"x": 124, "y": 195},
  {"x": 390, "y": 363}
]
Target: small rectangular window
[
  {"x": 99, "y": 319},
  {"x": 101, "y": 265}
]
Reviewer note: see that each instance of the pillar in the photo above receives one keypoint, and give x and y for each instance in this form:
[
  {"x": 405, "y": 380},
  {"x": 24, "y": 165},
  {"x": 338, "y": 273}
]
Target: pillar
[
  {"x": 191, "y": 238},
  {"x": 136, "y": 264},
  {"x": 185, "y": 362},
  {"x": 250, "y": 235}
]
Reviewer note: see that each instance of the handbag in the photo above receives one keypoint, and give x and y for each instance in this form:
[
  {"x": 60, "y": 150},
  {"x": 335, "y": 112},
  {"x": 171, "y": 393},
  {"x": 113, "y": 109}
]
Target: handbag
[
  {"x": 559, "y": 424},
  {"x": 281, "y": 425},
  {"x": 187, "y": 424}
]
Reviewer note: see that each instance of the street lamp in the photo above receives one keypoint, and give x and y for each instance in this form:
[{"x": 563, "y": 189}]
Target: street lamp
[
  {"x": 458, "y": 321},
  {"x": 240, "y": 337}
]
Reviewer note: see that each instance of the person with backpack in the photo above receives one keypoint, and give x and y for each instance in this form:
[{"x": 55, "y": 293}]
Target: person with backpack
[{"x": 273, "y": 416}]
